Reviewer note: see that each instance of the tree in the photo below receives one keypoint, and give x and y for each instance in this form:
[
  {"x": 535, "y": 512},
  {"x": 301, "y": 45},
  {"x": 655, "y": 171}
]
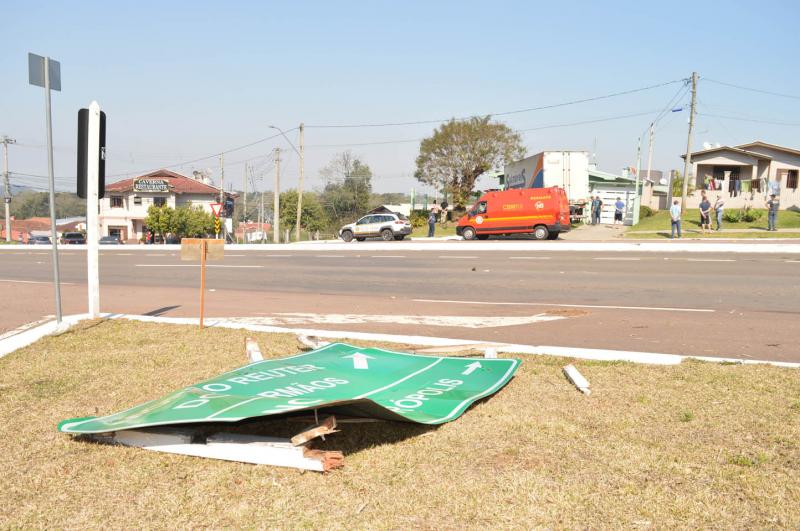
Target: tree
[
  {"x": 30, "y": 204},
  {"x": 312, "y": 217},
  {"x": 677, "y": 185},
  {"x": 460, "y": 150},
  {"x": 349, "y": 185},
  {"x": 183, "y": 221}
]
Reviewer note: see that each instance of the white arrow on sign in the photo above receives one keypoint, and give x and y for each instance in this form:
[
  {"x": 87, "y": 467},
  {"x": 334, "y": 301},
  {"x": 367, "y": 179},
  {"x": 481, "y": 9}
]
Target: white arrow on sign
[
  {"x": 360, "y": 360},
  {"x": 472, "y": 367}
]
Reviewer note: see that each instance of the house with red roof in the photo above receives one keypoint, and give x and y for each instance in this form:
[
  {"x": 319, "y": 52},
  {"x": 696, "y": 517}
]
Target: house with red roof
[{"x": 124, "y": 207}]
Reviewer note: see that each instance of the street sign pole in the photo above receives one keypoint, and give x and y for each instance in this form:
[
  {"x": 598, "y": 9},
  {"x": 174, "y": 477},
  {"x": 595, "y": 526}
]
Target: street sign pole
[
  {"x": 42, "y": 72},
  {"x": 92, "y": 207},
  {"x": 203, "y": 251}
]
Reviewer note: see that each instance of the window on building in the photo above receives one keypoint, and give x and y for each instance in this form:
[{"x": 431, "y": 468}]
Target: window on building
[
  {"x": 137, "y": 200},
  {"x": 116, "y": 201},
  {"x": 791, "y": 179},
  {"x": 159, "y": 201}
]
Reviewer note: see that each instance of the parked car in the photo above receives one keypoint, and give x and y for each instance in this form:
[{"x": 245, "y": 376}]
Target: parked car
[
  {"x": 73, "y": 238},
  {"x": 39, "y": 240},
  {"x": 388, "y": 227},
  {"x": 110, "y": 240}
]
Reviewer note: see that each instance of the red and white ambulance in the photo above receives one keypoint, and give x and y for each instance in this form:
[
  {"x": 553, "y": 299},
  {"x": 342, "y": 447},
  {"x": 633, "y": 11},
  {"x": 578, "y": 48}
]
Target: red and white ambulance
[{"x": 543, "y": 212}]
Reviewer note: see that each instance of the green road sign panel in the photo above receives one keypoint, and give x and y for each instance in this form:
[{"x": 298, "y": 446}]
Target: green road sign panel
[{"x": 349, "y": 380}]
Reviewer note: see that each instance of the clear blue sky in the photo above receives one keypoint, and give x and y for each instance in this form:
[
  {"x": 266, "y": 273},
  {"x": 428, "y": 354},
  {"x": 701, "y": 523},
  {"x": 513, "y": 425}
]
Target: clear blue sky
[{"x": 182, "y": 80}]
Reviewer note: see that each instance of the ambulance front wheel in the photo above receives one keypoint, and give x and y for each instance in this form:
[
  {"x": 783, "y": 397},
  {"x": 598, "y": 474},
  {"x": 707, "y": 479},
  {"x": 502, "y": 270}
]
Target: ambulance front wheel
[
  {"x": 468, "y": 233},
  {"x": 540, "y": 232}
]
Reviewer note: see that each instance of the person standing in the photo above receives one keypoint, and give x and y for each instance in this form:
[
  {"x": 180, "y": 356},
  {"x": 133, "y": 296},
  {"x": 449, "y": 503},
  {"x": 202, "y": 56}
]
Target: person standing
[
  {"x": 597, "y": 208},
  {"x": 675, "y": 215},
  {"x": 619, "y": 208},
  {"x": 431, "y": 223},
  {"x": 772, "y": 215},
  {"x": 719, "y": 208},
  {"x": 705, "y": 215}
]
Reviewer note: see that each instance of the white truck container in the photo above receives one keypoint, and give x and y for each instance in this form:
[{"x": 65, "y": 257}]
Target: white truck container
[{"x": 567, "y": 169}]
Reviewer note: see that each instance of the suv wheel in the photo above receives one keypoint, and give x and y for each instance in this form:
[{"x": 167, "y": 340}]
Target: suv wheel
[
  {"x": 387, "y": 235},
  {"x": 347, "y": 236},
  {"x": 399, "y": 237}
]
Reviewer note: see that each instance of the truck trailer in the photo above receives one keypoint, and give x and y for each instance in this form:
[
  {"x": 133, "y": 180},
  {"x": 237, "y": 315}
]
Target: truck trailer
[{"x": 566, "y": 169}]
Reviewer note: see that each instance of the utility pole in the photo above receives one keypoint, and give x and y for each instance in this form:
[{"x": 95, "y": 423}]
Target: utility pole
[
  {"x": 222, "y": 178},
  {"x": 6, "y": 141},
  {"x": 276, "y": 201},
  {"x": 244, "y": 207},
  {"x": 636, "y": 199},
  {"x": 300, "y": 184},
  {"x": 649, "y": 153},
  {"x": 688, "y": 162}
]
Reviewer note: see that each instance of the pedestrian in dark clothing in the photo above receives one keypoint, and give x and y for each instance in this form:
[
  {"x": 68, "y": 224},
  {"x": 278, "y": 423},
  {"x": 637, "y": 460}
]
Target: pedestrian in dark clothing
[{"x": 431, "y": 223}]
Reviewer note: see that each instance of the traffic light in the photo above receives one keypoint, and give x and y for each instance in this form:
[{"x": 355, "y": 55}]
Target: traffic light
[{"x": 83, "y": 155}]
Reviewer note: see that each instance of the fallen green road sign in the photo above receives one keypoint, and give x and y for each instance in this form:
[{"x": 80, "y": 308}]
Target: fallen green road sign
[{"x": 364, "y": 382}]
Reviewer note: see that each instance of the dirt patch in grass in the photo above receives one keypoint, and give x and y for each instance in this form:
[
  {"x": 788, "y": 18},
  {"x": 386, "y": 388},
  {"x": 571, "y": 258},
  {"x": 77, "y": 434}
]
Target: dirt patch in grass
[{"x": 695, "y": 445}]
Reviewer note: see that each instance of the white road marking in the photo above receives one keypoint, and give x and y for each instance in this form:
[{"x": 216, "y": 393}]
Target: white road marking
[
  {"x": 460, "y": 321},
  {"x": 329, "y": 255},
  {"x": 599, "y": 306},
  {"x": 123, "y": 254},
  {"x": 710, "y": 260},
  {"x": 529, "y": 258},
  {"x": 31, "y": 281},
  {"x": 198, "y": 265},
  {"x": 793, "y": 261},
  {"x": 615, "y": 258}
]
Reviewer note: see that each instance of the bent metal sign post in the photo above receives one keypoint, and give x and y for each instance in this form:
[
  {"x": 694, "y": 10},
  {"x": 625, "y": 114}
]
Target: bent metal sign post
[{"x": 339, "y": 378}]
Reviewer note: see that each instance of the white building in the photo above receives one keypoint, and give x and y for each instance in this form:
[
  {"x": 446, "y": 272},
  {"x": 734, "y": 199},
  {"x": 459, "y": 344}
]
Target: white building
[{"x": 124, "y": 207}]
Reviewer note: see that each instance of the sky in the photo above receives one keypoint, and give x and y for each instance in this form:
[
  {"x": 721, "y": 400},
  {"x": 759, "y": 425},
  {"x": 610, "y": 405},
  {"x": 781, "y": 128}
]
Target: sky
[{"x": 181, "y": 82}]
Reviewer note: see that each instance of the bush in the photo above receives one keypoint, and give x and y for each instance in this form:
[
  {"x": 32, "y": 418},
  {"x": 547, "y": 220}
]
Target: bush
[
  {"x": 646, "y": 212},
  {"x": 732, "y": 216},
  {"x": 418, "y": 218},
  {"x": 750, "y": 214}
]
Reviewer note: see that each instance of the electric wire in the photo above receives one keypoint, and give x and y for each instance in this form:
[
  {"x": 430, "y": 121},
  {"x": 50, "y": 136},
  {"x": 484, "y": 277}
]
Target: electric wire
[{"x": 761, "y": 91}]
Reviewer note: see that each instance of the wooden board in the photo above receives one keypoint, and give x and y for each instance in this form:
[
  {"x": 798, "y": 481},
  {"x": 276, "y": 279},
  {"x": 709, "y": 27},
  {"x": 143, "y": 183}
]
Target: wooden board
[{"x": 190, "y": 249}]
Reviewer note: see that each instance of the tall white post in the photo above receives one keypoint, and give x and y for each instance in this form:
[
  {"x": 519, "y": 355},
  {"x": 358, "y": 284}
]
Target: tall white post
[{"x": 92, "y": 207}]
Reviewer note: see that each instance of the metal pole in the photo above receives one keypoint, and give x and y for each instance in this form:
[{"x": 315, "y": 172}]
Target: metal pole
[
  {"x": 53, "y": 231},
  {"x": 636, "y": 198},
  {"x": 7, "y": 197},
  {"x": 300, "y": 184},
  {"x": 276, "y": 202},
  {"x": 688, "y": 163},
  {"x": 203, "y": 248},
  {"x": 244, "y": 208},
  {"x": 92, "y": 206}
]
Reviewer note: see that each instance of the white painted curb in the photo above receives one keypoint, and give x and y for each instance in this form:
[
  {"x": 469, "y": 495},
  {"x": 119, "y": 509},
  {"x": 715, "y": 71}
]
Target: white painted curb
[
  {"x": 11, "y": 343},
  {"x": 460, "y": 246}
]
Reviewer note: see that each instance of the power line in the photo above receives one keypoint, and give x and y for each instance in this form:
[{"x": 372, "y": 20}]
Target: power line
[
  {"x": 754, "y": 120},
  {"x": 761, "y": 91},
  {"x": 505, "y": 113}
]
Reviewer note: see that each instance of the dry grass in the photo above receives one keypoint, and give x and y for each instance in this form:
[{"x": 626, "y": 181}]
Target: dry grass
[{"x": 697, "y": 445}]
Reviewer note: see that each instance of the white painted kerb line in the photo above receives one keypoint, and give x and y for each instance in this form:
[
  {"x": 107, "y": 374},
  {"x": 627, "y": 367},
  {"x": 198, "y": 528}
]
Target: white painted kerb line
[{"x": 599, "y": 306}]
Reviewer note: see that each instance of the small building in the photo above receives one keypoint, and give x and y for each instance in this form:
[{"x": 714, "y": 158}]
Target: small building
[
  {"x": 746, "y": 174},
  {"x": 609, "y": 187},
  {"x": 124, "y": 207}
]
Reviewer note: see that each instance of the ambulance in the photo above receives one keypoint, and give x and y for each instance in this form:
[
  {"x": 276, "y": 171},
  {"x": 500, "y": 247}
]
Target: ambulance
[{"x": 543, "y": 212}]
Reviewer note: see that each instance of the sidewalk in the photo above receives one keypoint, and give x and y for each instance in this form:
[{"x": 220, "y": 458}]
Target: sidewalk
[
  {"x": 723, "y": 231},
  {"x": 594, "y": 233}
]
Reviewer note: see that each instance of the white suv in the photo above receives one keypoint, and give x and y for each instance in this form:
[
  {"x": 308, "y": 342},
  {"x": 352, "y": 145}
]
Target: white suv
[{"x": 388, "y": 227}]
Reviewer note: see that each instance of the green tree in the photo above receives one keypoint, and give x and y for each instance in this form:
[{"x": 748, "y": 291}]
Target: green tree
[
  {"x": 182, "y": 222},
  {"x": 29, "y": 204},
  {"x": 159, "y": 220},
  {"x": 347, "y": 192},
  {"x": 677, "y": 185},
  {"x": 312, "y": 217},
  {"x": 460, "y": 150}
]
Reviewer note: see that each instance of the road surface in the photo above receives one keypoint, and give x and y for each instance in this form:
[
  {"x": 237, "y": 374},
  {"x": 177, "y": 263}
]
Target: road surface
[{"x": 711, "y": 304}]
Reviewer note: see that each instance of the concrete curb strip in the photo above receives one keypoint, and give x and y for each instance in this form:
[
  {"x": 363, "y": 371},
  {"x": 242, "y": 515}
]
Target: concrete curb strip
[
  {"x": 519, "y": 246},
  {"x": 28, "y": 336}
]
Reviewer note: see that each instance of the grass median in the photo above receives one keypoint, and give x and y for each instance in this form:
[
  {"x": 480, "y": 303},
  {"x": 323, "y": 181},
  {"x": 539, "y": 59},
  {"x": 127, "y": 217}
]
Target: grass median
[{"x": 695, "y": 445}]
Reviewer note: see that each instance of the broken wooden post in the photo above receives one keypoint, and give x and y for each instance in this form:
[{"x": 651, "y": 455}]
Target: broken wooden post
[{"x": 326, "y": 427}]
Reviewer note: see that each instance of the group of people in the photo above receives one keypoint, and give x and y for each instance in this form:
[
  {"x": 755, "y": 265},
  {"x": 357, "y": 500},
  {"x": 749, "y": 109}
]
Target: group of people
[
  {"x": 434, "y": 214},
  {"x": 596, "y": 208},
  {"x": 706, "y": 208}
]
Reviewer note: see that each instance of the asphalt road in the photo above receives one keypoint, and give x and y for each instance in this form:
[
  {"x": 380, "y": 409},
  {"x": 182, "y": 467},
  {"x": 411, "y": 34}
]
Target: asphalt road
[{"x": 717, "y": 304}]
